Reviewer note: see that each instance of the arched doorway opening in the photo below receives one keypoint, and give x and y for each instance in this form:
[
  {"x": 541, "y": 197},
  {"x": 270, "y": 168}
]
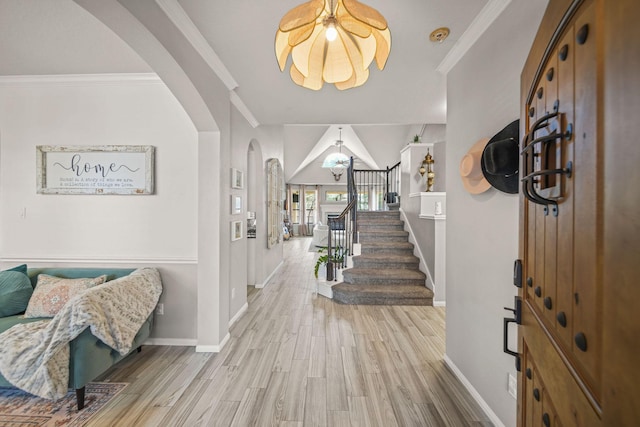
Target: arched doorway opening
[{"x": 255, "y": 212}]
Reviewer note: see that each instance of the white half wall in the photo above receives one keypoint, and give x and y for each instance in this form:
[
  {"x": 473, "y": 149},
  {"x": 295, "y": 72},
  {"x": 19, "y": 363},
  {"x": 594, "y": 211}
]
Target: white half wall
[
  {"x": 483, "y": 92},
  {"x": 158, "y": 230}
]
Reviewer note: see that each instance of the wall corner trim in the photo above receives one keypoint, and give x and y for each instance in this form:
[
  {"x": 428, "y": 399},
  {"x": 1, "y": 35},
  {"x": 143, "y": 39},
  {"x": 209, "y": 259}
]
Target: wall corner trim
[
  {"x": 239, "y": 314},
  {"x": 474, "y": 393},
  {"x": 478, "y": 26},
  {"x": 423, "y": 264},
  {"x": 243, "y": 109},
  {"x": 185, "y": 25},
  {"x": 266, "y": 281},
  {"x": 213, "y": 348},
  {"x": 180, "y": 342}
]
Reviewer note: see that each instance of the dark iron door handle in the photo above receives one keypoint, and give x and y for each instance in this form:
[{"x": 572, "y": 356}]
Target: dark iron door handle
[{"x": 517, "y": 319}]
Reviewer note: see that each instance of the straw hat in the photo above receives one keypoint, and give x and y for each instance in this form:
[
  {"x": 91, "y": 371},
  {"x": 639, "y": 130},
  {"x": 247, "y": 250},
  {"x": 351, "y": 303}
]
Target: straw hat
[{"x": 471, "y": 171}]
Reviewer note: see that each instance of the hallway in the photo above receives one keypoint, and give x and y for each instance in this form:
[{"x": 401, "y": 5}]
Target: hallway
[{"x": 298, "y": 359}]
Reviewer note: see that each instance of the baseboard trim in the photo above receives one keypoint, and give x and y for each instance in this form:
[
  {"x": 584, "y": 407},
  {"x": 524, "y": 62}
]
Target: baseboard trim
[
  {"x": 266, "y": 281},
  {"x": 239, "y": 314},
  {"x": 474, "y": 393},
  {"x": 213, "y": 348},
  {"x": 325, "y": 288},
  {"x": 439, "y": 303},
  {"x": 423, "y": 264},
  {"x": 177, "y": 342}
]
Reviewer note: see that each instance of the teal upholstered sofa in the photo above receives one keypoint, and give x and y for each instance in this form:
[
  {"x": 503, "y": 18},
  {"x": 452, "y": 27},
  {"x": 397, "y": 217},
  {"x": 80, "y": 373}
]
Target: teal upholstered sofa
[{"x": 90, "y": 357}]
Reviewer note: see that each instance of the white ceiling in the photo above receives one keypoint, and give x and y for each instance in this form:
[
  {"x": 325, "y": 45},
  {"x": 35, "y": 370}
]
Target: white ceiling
[
  {"x": 41, "y": 37},
  {"x": 59, "y": 37},
  {"x": 408, "y": 90}
]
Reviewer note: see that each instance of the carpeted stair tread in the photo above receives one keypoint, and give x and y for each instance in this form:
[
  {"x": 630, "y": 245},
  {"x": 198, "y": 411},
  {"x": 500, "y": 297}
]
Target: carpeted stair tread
[
  {"x": 386, "y": 271},
  {"x": 380, "y": 226},
  {"x": 384, "y": 276},
  {"x": 389, "y": 256},
  {"x": 386, "y": 260},
  {"x": 382, "y": 220},
  {"x": 378, "y": 214},
  {"x": 382, "y": 234},
  {"x": 373, "y": 247},
  {"x": 347, "y": 293}
]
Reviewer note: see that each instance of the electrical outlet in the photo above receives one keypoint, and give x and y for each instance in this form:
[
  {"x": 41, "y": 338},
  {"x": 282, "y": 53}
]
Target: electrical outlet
[
  {"x": 512, "y": 386},
  {"x": 160, "y": 309},
  {"x": 233, "y": 293}
]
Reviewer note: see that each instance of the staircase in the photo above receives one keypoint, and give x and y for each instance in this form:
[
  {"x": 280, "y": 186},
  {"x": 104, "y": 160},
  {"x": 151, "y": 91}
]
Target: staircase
[{"x": 386, "y": 272}]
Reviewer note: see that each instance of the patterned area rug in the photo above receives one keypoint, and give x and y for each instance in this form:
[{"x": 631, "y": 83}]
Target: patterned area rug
[{"x": 20, "y": 409}]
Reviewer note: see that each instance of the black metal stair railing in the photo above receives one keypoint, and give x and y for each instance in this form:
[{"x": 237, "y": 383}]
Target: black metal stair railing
[
  {"x": 343, "y": 230},
  {"x": 377, "y": 187}
]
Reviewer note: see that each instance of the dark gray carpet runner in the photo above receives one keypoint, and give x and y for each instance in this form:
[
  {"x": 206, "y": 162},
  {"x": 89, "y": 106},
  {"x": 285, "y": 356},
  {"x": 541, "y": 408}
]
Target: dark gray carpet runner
[{"x": 387, "y": 271}]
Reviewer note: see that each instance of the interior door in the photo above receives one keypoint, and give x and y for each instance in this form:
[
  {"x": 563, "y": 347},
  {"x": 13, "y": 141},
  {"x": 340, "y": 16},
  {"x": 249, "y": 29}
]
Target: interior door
[{"x": 567, "y": 300}]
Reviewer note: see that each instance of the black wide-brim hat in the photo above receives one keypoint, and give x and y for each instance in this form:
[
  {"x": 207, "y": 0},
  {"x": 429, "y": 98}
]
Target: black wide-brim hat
[{"x": 500, "y": 159}]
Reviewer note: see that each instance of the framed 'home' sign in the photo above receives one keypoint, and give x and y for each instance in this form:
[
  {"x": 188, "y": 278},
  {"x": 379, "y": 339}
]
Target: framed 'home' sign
[{"x": 106, "y": 169}]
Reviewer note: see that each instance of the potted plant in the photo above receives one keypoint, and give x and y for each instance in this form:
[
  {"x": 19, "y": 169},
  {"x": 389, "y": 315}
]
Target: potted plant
[
  {"x": 323, "y": 260},
  {"x": 416, "y": 139}
]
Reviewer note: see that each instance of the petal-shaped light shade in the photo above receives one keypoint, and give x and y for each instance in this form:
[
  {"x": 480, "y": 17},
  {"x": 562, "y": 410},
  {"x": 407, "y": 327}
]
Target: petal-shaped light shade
[
  {"x": 363, "y": 36},
  {"x": 336, "y": 160},
  {"x": 301, "y": 15},
  {"x": 366, "y": 14}
]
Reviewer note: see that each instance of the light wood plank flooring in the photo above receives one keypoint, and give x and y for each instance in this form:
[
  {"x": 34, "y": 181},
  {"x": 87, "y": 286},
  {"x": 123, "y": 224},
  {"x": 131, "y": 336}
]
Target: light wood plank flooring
[{"x": 298, "y": 359}]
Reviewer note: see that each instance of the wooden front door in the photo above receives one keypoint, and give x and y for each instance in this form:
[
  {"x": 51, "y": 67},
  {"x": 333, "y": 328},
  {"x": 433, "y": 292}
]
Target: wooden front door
[{"x": 575, "y": 262}]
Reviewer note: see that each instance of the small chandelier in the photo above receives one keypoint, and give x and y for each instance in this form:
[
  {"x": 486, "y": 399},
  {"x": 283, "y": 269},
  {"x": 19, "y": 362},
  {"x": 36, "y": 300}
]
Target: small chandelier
[
  {"x": 337, "y": 162},
  {"x": 332, "y": 41}
]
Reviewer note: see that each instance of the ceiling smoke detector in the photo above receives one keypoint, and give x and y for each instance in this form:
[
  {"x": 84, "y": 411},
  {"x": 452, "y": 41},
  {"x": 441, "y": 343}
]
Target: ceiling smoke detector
[{"x": 438, "y": 35}]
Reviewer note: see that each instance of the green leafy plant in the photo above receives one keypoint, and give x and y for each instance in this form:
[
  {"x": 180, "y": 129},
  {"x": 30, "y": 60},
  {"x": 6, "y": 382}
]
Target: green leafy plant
[
  {"x": 416, "y": 138},
  {"x": 323, "y": 260}
]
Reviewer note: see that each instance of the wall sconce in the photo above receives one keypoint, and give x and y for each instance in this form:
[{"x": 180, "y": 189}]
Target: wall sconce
[{"x": 427, "y": 166}]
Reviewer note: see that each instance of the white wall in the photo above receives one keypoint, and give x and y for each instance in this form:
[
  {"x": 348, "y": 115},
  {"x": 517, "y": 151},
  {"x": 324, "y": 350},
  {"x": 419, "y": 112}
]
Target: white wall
[
  {"x": 482, "y": 230},
  {"x": 440, "y": 166},
  {"x": 66, "y": 230},
  {"x": 298, "y": 142},
  {"x": 383, "y": 142}
]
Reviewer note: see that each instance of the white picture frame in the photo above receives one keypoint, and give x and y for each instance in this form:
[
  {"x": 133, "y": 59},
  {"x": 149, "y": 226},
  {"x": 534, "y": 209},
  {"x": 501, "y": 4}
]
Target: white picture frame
[
  {"x": 237, "y": 178},
  {"x": 236, "y": 204},
  {"x": 97, "y": 170},
  {"x": 236, "y": 230}
]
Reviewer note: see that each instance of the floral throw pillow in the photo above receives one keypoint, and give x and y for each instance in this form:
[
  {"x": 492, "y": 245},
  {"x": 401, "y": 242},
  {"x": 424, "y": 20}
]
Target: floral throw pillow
[{"x": 52, "y": 293}]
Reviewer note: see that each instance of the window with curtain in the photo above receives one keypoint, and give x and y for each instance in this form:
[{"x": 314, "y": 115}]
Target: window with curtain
[{"x": 310, "y": 206}]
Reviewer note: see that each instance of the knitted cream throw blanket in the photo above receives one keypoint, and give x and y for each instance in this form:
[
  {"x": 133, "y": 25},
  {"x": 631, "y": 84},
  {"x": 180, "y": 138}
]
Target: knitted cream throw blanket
[{"x": 35, "y": 356}]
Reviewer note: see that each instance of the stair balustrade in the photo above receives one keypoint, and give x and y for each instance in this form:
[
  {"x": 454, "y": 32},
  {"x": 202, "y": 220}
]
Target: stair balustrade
[{"x": 368, "y": 190}]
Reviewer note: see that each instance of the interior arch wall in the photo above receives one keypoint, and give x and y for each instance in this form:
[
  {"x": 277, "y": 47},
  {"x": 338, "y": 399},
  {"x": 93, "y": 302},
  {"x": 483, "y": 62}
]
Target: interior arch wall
[{"x": 150, "y": 33}]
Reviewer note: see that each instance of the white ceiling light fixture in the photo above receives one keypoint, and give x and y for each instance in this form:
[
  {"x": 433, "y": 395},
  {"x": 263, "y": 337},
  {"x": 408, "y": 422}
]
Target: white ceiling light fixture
[
  {"x": 332, "y": 41},
  {"x": 337, "y": 162}
]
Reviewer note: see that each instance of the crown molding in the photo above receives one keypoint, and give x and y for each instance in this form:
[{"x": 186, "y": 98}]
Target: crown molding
[
  {"x": 181, "y": 20},
  {"x": 478, "y": 26},
  {"x": 185, "y": 25},
  {"x": 81, "y": 79},
  {"x": 243, "y": 109}
]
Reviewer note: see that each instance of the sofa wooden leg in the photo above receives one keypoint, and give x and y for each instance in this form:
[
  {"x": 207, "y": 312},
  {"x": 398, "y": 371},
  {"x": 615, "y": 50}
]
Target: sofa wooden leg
[
  {"x": 80, "y": 398},
  {"x": 140, "y": 349}
]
